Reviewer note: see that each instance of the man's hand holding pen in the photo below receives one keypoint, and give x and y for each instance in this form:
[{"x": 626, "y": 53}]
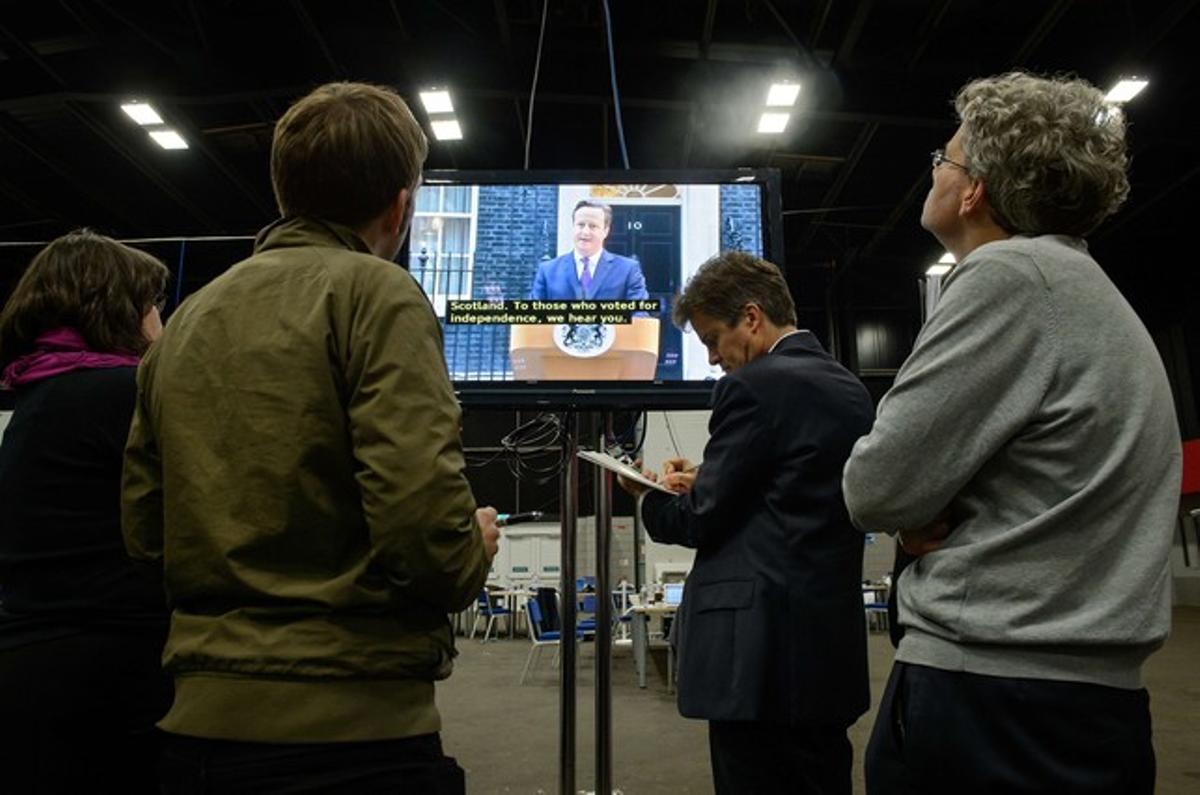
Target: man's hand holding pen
[{"x": 678, "y": 475}]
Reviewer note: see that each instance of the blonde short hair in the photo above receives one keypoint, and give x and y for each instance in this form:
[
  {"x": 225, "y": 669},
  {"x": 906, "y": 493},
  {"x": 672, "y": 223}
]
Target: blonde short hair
[
  {"x": 343, "y": 152},
  {"x": 1051, "y": 151}
]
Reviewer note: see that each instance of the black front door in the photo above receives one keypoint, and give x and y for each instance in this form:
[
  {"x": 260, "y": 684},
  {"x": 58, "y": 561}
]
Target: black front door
[{"x": 651, "y": 235}]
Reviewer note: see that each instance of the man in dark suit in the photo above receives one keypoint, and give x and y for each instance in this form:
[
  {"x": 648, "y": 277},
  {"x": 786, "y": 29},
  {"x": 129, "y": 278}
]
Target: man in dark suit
[
  {"x": 588, "y": 271},
  {"x": 772, "y": 643}
]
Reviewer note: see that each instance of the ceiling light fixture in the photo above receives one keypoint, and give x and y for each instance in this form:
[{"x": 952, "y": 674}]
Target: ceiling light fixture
[
  {"x": 773, "y": 122},
  {"x": 446, "y": 130},
  {"x": 1126, "y": 89},
  {"x": 168, "y": 139},
  {"x": 782, "y": 95},
  {"x": 142, "y": 112},
  {"x": 437, "y": 100}
]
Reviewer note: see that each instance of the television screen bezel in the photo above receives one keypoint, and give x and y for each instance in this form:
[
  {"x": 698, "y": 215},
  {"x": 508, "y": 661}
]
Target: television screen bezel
[{"x": 538, "y": 395}]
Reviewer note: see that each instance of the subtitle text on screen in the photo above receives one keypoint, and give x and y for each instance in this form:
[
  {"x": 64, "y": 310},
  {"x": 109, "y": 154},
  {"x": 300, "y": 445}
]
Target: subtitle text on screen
[{"x": 541, "y": 312}]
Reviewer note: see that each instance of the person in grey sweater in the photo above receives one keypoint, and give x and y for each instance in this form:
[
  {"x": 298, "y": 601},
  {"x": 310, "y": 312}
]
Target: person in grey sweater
[{"x": 1029, "y": 455}]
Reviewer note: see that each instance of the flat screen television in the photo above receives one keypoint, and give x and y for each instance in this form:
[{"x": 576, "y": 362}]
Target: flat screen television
[{"x": 527, "y": 324}]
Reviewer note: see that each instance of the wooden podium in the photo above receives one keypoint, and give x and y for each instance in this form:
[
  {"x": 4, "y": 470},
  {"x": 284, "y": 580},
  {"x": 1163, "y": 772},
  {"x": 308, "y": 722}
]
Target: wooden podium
[{"x": 632, "y": 357}]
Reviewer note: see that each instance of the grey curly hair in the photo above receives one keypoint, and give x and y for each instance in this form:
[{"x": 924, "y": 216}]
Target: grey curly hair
[{"x": 1050, "y": 150}]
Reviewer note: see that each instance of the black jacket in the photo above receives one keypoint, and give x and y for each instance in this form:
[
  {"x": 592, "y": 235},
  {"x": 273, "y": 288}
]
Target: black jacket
[
  {"x": 772, "y": 617},
  {"x": 62, "y": 561}
]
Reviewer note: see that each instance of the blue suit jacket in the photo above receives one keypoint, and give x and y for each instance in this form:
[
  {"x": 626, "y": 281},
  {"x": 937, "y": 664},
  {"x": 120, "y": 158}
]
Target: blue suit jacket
[{"x": 616, "y": 278}]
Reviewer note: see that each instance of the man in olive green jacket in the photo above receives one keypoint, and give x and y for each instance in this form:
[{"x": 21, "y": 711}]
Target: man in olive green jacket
[{"x": 296, "y": 467}]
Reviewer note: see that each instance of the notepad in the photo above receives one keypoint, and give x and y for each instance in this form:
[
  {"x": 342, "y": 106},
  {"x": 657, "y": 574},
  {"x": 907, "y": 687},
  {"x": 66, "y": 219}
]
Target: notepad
[{"x": 621, "y": 468}]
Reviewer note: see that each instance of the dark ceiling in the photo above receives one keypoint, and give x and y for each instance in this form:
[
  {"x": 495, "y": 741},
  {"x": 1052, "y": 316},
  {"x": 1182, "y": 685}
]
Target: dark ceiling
[{"x": 877, "y": 74}]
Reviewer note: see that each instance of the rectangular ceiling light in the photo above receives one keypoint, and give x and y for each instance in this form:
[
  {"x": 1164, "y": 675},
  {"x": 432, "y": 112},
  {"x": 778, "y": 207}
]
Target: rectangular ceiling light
[
  {"x": 937, "y": 270},
  {"x": 142, "y": 112},
  {"x": 437, "y": 100},
  {"x": 446, "y": 130},
  {"x": 773, "y": 122},
  {"x": 782, "y": 95},
  {"x": 1126, "y": 89},
  {"x": 168, "y": 139}
]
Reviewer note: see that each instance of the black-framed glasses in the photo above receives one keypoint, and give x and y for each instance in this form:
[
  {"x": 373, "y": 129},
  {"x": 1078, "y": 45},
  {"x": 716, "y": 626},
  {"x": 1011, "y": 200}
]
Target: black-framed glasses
[{"x": 939, "y": 156}]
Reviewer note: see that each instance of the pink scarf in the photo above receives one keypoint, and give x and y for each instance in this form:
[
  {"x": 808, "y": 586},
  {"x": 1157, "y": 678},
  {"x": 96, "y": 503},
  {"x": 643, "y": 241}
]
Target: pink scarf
[{"x": 59, "y": 351}]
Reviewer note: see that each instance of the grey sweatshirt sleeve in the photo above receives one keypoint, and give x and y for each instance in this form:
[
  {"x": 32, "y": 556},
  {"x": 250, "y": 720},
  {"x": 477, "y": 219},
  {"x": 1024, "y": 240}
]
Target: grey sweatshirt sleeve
[{"x": 978, "y": 372}]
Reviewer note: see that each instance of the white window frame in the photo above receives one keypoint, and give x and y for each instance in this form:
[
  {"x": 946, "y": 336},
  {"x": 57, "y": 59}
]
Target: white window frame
[{"x": 438, "y": 296}]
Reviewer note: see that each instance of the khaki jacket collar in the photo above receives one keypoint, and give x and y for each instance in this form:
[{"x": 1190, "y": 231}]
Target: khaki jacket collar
[{"x": 295, "y": 231}]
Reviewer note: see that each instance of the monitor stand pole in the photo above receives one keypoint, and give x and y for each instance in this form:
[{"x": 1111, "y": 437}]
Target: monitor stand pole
[
  {"x": 569, "y": 511},
  {"x": 569, "y": 496},
  {"x": 603, "y": 649}
]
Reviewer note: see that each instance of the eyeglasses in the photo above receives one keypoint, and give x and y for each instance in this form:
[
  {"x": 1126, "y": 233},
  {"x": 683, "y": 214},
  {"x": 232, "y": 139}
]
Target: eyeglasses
[
  {"x": 939, "y": 156},
  {"x": 160, "y": 302}
]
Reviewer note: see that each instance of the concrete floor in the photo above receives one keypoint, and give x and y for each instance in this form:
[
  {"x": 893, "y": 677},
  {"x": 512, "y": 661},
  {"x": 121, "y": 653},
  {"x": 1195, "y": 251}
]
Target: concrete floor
[{"x": 506, "y": 735}]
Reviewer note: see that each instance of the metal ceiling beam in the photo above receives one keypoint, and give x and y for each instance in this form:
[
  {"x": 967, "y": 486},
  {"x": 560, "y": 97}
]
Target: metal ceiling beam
[
  {"x": 845, "y": 50},
  {"x": 81, "y": 18},
  {"x": 802, "y": 47},
  {"x": 819, "y": 20},
  {"x": 196, "y": 139},
  {"x": 928, "y": 28},
  {"x": 927, "y": 32},
  {"x": 1046, "y": 24},
  {"x": 1162, "y": 26},
  {"x": 18, "y": 196},
  {"x": 20, "y": 46},
  {"x": 683, "y": 106},
  {"x": 400, "y": 26},
  {"x": 457, "y": 19},
  {"x": 505, "y": 30},
  {"x": 835, "y": 190},
  {"x": 502, "y": 26},
  {"x": 287, "y": 92},
  {"x": 310, "y": 27},
  {"x": 1174, "y": 185},
  {"x": 690, "y": 50},
  {"x": 149, "y": 38},
  {"x": 693, "y": 121},
  {"x": 914, "y": 190},
  {"x": 103, "y": 206},
  {"x": 706, "y": 32},
  {"x": 198, "y": 23},
  {"x": 148, "y": 171}
]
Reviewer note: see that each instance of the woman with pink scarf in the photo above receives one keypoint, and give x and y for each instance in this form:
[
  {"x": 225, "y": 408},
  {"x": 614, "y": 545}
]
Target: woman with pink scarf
[{"x": 81, "y": 629}]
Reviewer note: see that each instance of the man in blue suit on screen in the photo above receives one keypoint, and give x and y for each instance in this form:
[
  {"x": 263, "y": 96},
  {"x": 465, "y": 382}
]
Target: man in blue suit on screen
[{"x": 589, "y": 272}]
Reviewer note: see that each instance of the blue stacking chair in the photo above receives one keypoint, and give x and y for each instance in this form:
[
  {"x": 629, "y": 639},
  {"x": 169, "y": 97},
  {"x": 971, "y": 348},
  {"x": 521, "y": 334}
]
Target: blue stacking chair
[
  {"x": 485, "y": 608},
  {"x": 540, "y": 637},
  {"x": 587, "y": 604}
]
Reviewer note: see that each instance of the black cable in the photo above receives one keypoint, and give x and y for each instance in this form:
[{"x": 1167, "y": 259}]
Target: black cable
[
  {"x": 612, "y": 70},
  {"x": 622, "y": 439},
  {"x": 537, "y": 67},
  {"x": 671, "y": 433},
  {"x": 530, "y": 444},
  {"x": 179, "y": 277}
]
